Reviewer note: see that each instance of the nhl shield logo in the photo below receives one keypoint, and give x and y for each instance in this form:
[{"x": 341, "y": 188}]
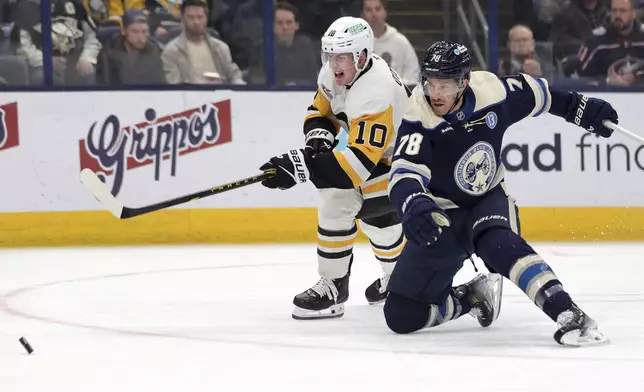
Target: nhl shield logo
[{"x": 476, "y": 169}]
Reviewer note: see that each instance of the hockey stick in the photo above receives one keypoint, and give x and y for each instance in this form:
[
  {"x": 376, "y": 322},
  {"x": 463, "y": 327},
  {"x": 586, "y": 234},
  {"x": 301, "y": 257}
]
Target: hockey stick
[
  {"x": 609, "y": 124},
  {"x": 102, "y": 193}
]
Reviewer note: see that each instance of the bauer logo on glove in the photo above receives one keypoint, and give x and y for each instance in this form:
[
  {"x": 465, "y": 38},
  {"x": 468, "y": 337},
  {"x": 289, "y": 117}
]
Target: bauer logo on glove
[{"x": 290, "y": 169}]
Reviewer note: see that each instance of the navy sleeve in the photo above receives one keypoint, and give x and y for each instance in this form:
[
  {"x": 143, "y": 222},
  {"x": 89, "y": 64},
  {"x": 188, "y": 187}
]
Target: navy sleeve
[
  {"x": 527, "y": 96},
  {"x": 412, "y": 158}
]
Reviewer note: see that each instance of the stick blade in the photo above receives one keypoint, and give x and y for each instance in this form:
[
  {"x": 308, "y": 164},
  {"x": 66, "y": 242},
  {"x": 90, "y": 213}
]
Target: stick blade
[{"x": 101, "y": 192}]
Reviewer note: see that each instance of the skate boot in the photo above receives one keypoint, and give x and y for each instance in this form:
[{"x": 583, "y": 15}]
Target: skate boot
[
  {"x": 577, "y": 329},
  {"x": 377, "y": 291},
  {"x": 324, "y": 300},
  {"x": 483, "y": 293}
]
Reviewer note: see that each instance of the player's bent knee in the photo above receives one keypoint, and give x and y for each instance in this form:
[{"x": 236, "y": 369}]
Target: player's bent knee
[
  {"x": 404, "y": 315},
  {"x": 496, "y": 242}
]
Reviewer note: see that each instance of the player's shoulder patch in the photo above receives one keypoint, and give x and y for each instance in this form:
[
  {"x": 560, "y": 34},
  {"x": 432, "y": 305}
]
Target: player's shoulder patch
[
  {"x": 601, "y": 30},
  {"x": 420, "y": 111},
  {"x": 488, "y": 89}
]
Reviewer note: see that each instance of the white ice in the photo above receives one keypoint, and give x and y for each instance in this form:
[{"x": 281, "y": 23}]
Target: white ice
[{"x": 218, "y": 318}]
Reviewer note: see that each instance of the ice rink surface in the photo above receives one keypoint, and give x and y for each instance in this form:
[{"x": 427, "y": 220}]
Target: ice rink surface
[{"x": 218, "y": 318}]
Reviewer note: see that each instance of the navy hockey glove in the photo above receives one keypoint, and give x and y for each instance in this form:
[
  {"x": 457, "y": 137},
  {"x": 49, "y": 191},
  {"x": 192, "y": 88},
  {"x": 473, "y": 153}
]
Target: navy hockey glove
[
  {"x": 590, "y": 113},
  {"x": 423, "y": 220},
  {"x": 290, "y": 169},
  {"x": 320, "y": 140}
]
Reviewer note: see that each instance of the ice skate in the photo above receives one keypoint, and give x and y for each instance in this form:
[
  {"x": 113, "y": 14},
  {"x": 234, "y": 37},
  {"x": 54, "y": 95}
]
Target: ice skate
[
  {"x": 377, "y": 291},
  {"x": 577, "y": 329},
  {"x": 324, "y": 300},
  {"x": 483, "y": 293}
]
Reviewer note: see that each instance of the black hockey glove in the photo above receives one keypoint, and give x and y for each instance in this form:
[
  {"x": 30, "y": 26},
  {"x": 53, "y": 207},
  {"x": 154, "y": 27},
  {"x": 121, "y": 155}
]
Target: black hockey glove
[
  {"x": 320, "y": 140},
  {"x": 590, "y": 113},
  {"x": 423, "y": 220},
  {"x": 290, "y": 169}
]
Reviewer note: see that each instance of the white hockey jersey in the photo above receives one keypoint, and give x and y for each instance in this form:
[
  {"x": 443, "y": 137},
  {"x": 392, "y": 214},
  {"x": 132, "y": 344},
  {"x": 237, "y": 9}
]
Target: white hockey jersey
[{"x": 371, "y": 110}]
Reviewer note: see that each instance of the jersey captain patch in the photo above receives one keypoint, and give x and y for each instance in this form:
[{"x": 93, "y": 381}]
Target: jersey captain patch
[{"x": 475, "y": 170}]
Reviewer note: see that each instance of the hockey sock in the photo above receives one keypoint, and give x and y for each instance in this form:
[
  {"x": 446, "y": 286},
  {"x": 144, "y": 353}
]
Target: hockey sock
[
  {"x": 405, "y": 315},
  {"x": 387, "y": 255},
  {"x": 511, "y": 256},
  {"x": 335, "y": 248}
]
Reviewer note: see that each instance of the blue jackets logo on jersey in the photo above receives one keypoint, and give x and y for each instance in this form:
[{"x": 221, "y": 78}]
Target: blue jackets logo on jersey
[{"x": 475, "y": 170}]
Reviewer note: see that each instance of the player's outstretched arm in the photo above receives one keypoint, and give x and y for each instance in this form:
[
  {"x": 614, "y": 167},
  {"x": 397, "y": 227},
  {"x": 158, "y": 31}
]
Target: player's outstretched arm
[
  {"x": 586, "y": 112},
  {"x": 530, "y": 97}
]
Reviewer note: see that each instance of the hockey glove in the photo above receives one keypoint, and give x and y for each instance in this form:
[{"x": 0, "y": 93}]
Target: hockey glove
[
  {"x": 290, "y": 169},
  {"x": 320, "y": 140},
  {"x": 590, "y": 113},
  {"x": 423, "y": 220}
]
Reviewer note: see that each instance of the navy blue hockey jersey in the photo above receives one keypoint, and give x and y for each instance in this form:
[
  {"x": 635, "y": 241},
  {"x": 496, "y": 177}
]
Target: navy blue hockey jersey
[{"x": 457, "y": 158}]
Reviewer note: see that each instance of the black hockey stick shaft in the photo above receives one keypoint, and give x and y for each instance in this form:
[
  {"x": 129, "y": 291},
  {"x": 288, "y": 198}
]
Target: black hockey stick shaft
[{"x": 132, "y": 212}]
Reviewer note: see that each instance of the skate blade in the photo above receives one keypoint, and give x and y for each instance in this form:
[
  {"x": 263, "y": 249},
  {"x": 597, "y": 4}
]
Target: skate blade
[
  {"x": 496, "y": 282},
  {"x": 378, "y": 302},
  {"x": 591, "y": 338},
  {"x": 334, "y": 311}
]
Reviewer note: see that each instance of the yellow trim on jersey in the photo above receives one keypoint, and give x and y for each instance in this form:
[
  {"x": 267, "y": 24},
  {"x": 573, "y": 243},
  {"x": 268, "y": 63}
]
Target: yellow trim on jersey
[
  {"x": 322, "y": 105},
  {"x": 366, "y": 133},
  {"x": 346, "y": 166},
  {"x": 377, "y": 187}
]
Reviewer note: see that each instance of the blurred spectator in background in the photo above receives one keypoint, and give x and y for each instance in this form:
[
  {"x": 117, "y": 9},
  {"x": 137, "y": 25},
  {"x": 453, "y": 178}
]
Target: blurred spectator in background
[
  {"x": 108, "y": 15},
  {"x": 575, "y": 24},
  {"x": 164, "y": 16},
  {"x": 195, "y": 57},
  {"x": 131, "y": 58},
  {"x": 615, "y": 54},
  {"x": 523, "y": 56},
  {"x": 75, "y": 47},
  {"x": 105, "y": 12},
  {"x": 390, "y": 44},
  {"x": 296, "y": 62},
  {"x": 242, "y": 28},
  {"x": 317, "y": 15}
]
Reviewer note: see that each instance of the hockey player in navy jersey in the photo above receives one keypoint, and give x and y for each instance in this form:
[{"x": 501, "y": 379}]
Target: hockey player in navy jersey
[{"x": 447, "y": 182}]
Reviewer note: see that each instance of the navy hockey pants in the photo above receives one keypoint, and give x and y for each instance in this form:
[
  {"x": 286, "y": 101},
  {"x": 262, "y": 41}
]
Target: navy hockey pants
[{"x": 425, "y": 274}]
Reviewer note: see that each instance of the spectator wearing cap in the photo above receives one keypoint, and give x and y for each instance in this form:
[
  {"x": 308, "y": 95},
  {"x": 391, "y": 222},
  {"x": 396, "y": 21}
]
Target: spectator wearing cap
[
  {"x": 296, "y": 61},
  {"x": 195, "y": 57},
  {"x": 391, "y": 44},
  {"x": 130, "y": 57}
]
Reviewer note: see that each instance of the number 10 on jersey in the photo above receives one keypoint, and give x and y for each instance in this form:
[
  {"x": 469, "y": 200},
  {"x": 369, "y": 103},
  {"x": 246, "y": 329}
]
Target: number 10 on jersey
[{"x": 377, "y": 134}]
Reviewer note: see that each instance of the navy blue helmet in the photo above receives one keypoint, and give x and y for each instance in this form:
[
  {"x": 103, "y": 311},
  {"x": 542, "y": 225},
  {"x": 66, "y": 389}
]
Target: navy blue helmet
[{"x": 446, "y": 60}]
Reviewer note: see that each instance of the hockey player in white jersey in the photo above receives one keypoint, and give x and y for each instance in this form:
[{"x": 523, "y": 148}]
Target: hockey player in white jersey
[{"x": 356, "y": 91}]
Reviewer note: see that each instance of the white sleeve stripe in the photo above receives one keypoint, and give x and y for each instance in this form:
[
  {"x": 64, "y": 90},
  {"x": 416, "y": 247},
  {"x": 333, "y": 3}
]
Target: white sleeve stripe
[
  {"x": 541, "y": 95},
  {"x": 543, "y": 83},
  {"x": 355, "y": 163},
  {"x": 394, "y": 180},
  {"x": 415, "y": 167}
]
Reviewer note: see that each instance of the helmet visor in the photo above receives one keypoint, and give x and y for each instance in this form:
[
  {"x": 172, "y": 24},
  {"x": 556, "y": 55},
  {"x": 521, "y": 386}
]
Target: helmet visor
[
  {"x": 433, "y": 87},
  {"x": 338, "y": 62}
]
